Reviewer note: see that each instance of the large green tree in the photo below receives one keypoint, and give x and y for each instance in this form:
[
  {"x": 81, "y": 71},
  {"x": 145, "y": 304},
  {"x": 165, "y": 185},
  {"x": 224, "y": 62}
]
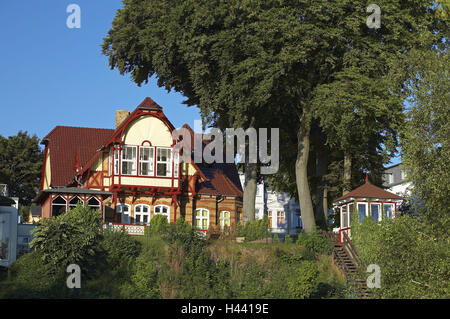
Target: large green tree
[
  {"x": 268, "y": 60},
  {"x": 21, "y": 165},
  {"x": 426, "y": 137}
]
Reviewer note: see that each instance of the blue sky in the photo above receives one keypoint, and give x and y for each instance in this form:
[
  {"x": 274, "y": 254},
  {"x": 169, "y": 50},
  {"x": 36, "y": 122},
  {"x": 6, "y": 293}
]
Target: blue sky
[{"x": 52, "y": 75}]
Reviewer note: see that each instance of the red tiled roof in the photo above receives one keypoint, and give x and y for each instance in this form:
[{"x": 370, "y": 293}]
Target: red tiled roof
[
  {"x": 70, "y": 144},
  {"x": 223, "y": 179},
  {"x": 368, "y": 190},
  {"x": 65, "y": 143}
]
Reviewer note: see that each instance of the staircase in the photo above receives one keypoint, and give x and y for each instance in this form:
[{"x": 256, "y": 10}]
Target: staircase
[{"x": 346, "y": 258}]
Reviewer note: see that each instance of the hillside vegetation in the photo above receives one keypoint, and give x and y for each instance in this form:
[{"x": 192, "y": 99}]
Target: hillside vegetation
[{"x": 170, "y": 261}]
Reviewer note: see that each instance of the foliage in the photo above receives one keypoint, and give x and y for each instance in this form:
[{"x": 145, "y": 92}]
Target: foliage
[
  {"x": 254, "y": 230},
  {"x": 281, "y": 64},
  {"x": 288, "y": 239},
  {"x": 426, "y": 138},
  {"x": 24, "y": 212},
  {"x": 315, "y": 243},
  {"x": 413, "y": 264},
  {"x": 21, "y": 165},
  {"x": 305, "y": 281},
  {"x": 158, "y": 224},
  {"x": 70, "y": 238}
]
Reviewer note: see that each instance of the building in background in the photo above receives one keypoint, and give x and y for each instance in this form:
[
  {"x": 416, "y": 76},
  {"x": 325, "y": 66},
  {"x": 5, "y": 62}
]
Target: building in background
[
  {"x": 395, "y": 180},
  {"x": 282, "y": 211}
]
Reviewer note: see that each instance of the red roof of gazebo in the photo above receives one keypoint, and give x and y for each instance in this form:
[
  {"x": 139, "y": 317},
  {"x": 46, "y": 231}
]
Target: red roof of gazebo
[{"x": 368, "y": 190}]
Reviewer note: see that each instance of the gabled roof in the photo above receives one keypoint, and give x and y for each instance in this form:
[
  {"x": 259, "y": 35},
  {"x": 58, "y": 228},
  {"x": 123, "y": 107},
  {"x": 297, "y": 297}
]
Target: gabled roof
[
  {"x": 223, "y": 179},
  {"x": 66, "y": 143},
  {"x": 368, "y": 190}
]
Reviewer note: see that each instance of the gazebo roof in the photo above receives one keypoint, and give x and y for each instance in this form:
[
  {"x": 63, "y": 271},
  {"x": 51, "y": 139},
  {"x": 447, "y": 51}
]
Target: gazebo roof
[{"x": 368, "y": 190}]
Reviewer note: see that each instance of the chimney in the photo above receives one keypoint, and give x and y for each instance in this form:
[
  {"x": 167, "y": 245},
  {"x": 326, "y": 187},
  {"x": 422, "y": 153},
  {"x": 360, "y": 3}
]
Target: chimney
[{"x": 121, "y": 115}]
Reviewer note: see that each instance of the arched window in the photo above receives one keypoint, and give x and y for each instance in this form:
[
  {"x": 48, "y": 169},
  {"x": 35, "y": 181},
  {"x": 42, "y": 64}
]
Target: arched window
[
  {"x": 224, "y": 219},
  {"x": 123, "y": 210},
  {"x": 94, "y": 203},
  {"x": 58, "y": 206},
  {"x": 162, "y": 210},
  {"x": 202, "y": 218},
  {"x": 141, "y": 214},
  {"x": 74, "y": 201}
]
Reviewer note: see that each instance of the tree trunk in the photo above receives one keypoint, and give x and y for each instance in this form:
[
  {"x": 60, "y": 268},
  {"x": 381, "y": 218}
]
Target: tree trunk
[
  {"x": 301, "y": 175},
  {"x": 321, "y": 155},
  {"x": 325, "y": 205},
  {"x": 250, "y": 191},
  {"x": 347, "y": 174}
]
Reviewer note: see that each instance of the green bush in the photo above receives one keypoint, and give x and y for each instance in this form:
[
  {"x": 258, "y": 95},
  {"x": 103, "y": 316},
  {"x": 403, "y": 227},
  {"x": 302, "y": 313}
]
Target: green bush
[
  {"x": 288, "y": 239},
  {"x": 254, "y": 230},
  {"x": 70, "y": 238},
  {"x": 413, "y": 262},
  {"x": 29, "y": 277},
  {"x": 315, "y": 243},
  {"x": 158, "y": 224},
  {"x": 305, "y": 280}
]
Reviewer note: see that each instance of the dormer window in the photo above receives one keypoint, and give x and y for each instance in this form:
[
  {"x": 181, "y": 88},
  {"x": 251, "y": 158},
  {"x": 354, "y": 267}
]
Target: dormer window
[
  {"x": 146, "y": 156},
  {"x": 163, "y": 162},
  {"x": 129, "y": 160}
]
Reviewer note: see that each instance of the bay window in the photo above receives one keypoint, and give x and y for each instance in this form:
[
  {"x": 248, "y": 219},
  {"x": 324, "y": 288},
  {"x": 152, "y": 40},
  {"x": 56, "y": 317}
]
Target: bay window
[
  {"x": 163, "y": 162},
  {"x": 146, "y": 155},
  {"x": 129, "y": 160}
]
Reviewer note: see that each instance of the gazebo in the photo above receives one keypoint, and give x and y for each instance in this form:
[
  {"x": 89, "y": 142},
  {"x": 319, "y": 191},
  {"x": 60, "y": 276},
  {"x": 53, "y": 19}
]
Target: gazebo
[{"x": 366, "y": 200}]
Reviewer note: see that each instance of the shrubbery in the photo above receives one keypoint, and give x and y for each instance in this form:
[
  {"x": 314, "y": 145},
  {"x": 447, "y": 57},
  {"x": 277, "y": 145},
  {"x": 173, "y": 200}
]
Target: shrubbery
[
  {"x": 315, "y": 243},
  {"x": 170, "y": 261},
  {"x": 413, "y": 262},
  {"x": 254, "y": 230}
]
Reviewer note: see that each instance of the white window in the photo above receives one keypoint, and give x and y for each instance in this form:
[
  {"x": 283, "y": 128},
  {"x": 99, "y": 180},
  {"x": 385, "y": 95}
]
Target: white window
[
  {"x": 74, "y": 201},
  {"x": 202, "y": 218},
  {"x": 163, "y": 162},
  {"x": 141, "y": 214},
  {"x": 176, "y": 164},
  {"x": 116, "y": 162},
  {"x": 270, "y": 217},
  {"x": 281, "y": 219},
  {"x": 146, "y": 156},
  {"x": 388, "y": 211},
  {"x": 124, "y": 210},
  {"x": 224, "y": 219},
  {"x": 94, "y": 203},
  {"x": 162, "y": 210},
  {"x": 375, "y": 212},
  {"x": 58, "y": 206},
  {"x": 344, "y": 217},
  {"x": 362, "y": 211},
  {"x": 403, "y": 175},
  {"x": 129, "y": 160}
]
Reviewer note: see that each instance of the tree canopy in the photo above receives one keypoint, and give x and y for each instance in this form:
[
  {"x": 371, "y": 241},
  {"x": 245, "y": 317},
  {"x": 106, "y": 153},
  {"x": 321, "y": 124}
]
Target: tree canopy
[
  {"x": 284, "y": 63},
  {"x": 21, "y": 165}
]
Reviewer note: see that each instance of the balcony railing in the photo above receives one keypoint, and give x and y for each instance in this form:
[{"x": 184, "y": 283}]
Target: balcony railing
[{"x": 130, "y": 229}]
